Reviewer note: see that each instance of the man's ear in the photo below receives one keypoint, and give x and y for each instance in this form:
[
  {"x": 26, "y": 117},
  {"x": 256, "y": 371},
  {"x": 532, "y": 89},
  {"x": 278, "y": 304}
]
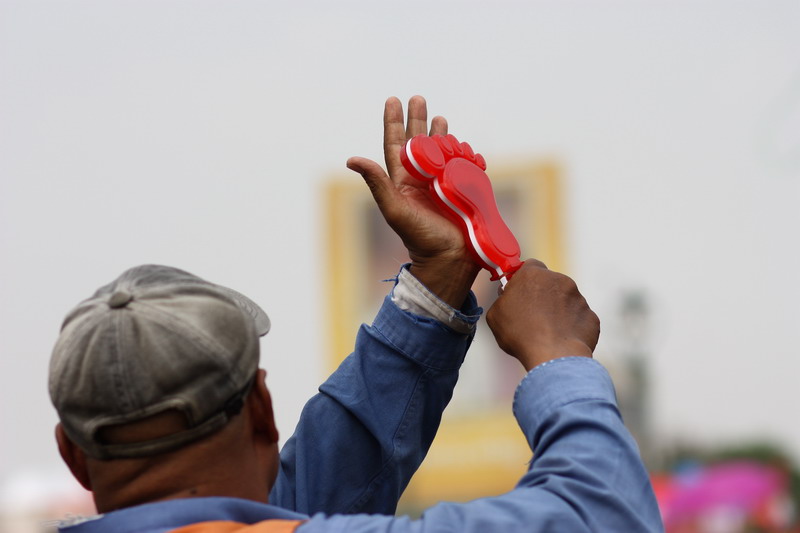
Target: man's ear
[
  {"x": 74, "y": 457},
  {"x": 261, "y": 407}
]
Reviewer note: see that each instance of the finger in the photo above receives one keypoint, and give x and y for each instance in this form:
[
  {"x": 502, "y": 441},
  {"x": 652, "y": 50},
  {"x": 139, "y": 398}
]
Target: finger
[
  {"x": 368, "y": 168},
  {"x": 439, "y": 125},
  {"x": 379, "y": 183},
  {"x": 394, "y": 134},
  {"x": 417, "y": 117},
  {"x": 534, "y": 263},
  {"x": 594, "y": 335}
]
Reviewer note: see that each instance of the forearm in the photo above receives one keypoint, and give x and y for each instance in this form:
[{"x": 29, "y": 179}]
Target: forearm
[
  {"x": 586, "y": 473},
  {"x": 585, "y": 460},
  {"x": 361, "y": 439}
]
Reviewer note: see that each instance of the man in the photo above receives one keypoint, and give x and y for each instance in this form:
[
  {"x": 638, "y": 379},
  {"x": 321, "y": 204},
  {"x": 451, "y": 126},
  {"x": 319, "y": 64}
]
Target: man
[{"x": 165, "y": 415}]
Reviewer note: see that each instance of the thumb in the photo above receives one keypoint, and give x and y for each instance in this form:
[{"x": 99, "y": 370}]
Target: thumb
[{"x": 379, "y": 183}]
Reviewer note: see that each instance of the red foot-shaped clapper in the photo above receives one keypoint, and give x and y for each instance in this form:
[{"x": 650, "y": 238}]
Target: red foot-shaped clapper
[{"x": 464, "y": 193}]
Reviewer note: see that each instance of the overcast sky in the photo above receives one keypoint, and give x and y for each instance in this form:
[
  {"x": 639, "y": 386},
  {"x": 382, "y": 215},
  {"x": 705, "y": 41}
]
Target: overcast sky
[{"x": 199, "y": 134}]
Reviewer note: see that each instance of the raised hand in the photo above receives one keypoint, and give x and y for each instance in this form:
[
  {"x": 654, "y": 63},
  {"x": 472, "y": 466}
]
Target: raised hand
[{"x": 439, "y": 255}]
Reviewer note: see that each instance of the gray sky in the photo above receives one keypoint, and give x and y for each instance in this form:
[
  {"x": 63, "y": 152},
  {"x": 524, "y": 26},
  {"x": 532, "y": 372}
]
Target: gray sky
[{"x": 198, "y": 134}]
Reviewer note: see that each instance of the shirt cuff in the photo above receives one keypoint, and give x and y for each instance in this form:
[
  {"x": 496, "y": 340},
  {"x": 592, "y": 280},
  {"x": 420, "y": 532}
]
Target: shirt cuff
[
  {"x": 554, "y": 384},
  {"x": 410, "y": 295}
]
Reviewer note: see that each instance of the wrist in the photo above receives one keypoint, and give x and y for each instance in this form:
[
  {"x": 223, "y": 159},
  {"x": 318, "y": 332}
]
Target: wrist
[
  {"x": 535, "y": 356},
  {"x": 449, "y": 279},
  {"x": 411, "y": 295}
]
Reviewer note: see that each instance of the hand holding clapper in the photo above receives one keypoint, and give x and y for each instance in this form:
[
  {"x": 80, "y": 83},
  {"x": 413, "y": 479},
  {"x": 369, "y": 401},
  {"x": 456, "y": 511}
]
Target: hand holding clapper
[{"x": 462, "y": 190}]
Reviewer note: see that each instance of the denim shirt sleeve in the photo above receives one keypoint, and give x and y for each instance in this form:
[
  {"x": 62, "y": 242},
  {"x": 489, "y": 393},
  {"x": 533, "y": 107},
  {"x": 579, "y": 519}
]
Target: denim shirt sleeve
[
  {"x": 364, "y": 435},
  {"x": 586, "y": 474}
]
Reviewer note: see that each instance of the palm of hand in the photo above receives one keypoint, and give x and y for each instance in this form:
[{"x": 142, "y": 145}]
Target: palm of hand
[{"x": 425, "y": 232}]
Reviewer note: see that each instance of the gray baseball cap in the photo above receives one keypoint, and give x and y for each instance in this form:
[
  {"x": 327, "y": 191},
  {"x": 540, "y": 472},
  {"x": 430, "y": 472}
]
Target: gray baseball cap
[{"x": 153, "y": 340}]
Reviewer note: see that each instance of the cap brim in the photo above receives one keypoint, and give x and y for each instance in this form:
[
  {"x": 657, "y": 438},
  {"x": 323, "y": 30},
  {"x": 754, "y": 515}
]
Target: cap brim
[{"x": 260, "y": 318}]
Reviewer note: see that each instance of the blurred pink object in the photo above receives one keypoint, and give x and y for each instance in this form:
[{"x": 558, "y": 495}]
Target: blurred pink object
[{"x": 744, "y": 486}]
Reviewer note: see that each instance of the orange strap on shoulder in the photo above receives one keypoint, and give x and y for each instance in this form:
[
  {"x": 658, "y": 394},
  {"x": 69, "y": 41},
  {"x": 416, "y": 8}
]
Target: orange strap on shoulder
[{"x": 226, "y": 526}]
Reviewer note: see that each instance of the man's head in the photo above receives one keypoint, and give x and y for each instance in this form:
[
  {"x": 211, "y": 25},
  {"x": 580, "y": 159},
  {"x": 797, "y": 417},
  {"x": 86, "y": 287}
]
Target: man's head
[{"x": 153, "y": 363}]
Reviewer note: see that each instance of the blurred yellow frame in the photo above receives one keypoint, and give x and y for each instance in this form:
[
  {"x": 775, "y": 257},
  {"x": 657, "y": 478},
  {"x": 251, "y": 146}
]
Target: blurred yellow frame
[{"x": 479, "y": 450}]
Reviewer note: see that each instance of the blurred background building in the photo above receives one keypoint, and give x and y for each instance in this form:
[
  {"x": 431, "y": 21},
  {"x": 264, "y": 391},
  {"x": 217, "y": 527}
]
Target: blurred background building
[{"x": 651, "y": 150}]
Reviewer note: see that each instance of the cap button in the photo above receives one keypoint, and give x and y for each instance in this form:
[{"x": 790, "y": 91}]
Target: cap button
[{"x": 119, "y": 299}]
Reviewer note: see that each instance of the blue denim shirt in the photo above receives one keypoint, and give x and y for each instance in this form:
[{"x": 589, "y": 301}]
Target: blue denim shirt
[{"x": 362, "y": 437}]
